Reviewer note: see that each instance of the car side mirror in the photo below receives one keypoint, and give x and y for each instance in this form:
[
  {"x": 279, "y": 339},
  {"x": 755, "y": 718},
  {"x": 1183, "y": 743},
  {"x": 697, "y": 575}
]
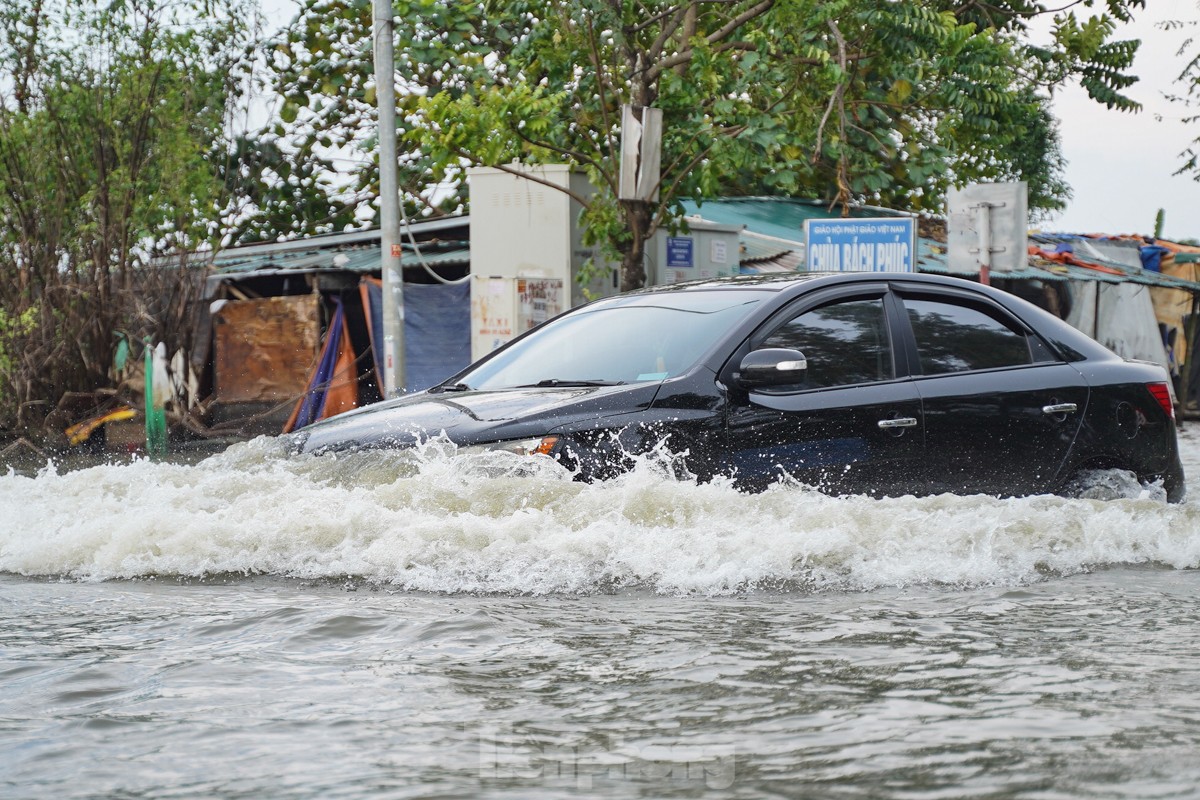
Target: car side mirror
[{"x": 771, "y": 366}]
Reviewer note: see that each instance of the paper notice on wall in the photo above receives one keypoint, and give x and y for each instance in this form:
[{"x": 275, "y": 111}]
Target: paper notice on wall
[
  {"x": 718, "y": 252},
  {"x": 538, "y": 299}
]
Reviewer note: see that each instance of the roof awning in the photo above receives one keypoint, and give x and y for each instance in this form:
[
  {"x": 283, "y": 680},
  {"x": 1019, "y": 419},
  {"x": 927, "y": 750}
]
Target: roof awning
[{"x": 361, "y": 259}]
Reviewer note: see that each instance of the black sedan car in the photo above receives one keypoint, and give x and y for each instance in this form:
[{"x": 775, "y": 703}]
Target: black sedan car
[{"x": 869, "y": 383}]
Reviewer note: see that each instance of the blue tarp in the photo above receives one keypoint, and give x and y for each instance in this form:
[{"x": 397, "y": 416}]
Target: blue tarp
[
  {"x": 1152, "y": 256},
  {"x": 312, "y": 407},
  {"x": 437, "y": 331}
]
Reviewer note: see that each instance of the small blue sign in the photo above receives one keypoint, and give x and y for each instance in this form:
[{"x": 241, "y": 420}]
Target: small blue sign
[
  {"x": 680, "y": 251},
  {"x": 881, "y": 244}
]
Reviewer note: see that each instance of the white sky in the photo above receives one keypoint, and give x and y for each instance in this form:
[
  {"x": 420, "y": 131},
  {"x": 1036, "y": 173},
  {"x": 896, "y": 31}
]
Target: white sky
[{"x": 1119, "y": 165}]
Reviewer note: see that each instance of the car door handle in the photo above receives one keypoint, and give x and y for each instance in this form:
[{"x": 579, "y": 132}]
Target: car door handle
[
  {"x": 1060, "y": 408},
  {"x": 898, "y": 422}
]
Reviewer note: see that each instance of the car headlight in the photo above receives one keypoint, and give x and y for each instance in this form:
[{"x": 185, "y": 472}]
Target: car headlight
[{"x": 541, "y": 445}]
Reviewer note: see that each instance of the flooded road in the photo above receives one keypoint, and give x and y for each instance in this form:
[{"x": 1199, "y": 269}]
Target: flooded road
[{"x": 428, "y": 626}]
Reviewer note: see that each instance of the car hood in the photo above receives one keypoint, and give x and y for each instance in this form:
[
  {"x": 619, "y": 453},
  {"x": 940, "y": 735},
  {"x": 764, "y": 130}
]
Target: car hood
[{"x": 470, "y": 417}]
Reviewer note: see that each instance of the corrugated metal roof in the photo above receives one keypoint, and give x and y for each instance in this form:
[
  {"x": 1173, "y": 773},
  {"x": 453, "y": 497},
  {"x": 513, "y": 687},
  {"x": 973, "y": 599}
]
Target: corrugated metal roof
[
  {"x": 362, "y": 259},
  {"x": 791, "y": 261},
  {"x": 932, "y": 258},
  {"x": 772, "y": 236},
  {"x": 758, "y": 247},
  {"x": 1120, "y": 255},
  {"x": 778, "y": 220},
  {"x": 355, "y": 251},
  {"x": 422, "y": 229},
  {"x": 781, "y": 217}
]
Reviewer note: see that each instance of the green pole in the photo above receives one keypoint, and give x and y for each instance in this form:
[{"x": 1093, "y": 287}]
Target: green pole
[{"x": 156, "y": 416}]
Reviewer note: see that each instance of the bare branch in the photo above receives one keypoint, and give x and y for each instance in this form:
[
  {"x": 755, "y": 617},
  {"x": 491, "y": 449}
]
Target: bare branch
[
  {"x": 669, "y": 192},
  {"x": 573, "y": 155},
  {"x": 838, "y": 98},
  {"x": 668, "y": 30}
]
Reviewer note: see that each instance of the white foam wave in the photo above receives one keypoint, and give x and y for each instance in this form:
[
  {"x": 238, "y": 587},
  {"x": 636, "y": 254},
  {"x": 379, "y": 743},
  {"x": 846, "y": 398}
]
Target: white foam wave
[{"x": 428, "y": 520}]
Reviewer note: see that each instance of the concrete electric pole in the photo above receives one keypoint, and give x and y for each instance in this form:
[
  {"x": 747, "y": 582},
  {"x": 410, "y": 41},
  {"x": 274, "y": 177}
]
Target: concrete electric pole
[{"x": 389, "y": 204}]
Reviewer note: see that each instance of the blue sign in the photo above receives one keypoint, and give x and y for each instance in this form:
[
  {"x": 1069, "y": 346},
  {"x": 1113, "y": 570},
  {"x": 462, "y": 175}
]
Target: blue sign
[
  {"x": 680, "y": 251},
  {"x": 882, "y": 244}
]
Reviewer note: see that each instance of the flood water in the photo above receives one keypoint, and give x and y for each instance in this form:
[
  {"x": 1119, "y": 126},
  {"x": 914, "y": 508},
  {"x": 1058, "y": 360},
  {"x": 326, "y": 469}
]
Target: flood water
[{"x": 423, "y": 625}]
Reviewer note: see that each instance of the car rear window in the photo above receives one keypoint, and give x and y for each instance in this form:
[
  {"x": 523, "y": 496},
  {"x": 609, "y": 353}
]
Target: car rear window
[{"x": 957, "y": 338}]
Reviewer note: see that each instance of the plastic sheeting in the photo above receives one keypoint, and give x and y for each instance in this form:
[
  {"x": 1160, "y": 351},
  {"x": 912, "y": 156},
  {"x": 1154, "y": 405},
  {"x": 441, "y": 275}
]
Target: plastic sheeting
[
  {"x": 1174, "y": 306},
  {"x": 437, "y": 330},
  {"x": 1082, "y": 316},
  {"x": 1152, "y": 256},
  {"x": 1121, "y": 317},
  {"x": 333, "y": 385}
]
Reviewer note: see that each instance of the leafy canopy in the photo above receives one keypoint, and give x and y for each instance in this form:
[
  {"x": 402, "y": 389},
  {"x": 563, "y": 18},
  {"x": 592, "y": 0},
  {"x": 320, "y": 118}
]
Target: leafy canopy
[
  {"x": 852, "y": 101},
  {"x": 112, "y": 116}
]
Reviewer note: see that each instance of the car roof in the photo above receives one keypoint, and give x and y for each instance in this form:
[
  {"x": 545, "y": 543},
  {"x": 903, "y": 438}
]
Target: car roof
[
  {"x": 1072, "y": 344},
  {"x": 779, "y": 281}
]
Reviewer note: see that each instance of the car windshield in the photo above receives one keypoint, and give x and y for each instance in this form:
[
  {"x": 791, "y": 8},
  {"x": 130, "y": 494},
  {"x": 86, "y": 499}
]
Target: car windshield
[{"x": 622, "y": 340}]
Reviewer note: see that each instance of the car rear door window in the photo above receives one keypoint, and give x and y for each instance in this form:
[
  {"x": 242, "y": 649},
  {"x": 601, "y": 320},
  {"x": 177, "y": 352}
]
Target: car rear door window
[
  {"x": 845, "y": 343},
  {"x": 954, "y": 337}
]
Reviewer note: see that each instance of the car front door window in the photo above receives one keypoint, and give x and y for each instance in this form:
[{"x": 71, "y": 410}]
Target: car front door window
[
  {"x": 848, "y": 425},
  {"x": 845, "y": 343}
]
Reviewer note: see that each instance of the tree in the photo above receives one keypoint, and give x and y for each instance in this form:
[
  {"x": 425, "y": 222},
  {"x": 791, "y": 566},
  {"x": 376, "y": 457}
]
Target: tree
[
  {"x": 851, "y": 101},
  {"x": 1189, "y": 94},
  {"x": 109, "y": 112},
  {"x": 270, "y": 193}
]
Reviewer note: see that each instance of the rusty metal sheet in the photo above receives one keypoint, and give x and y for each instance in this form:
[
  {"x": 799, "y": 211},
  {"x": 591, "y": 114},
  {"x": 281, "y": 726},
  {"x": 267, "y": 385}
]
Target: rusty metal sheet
[{"x": 264, "y": 349}]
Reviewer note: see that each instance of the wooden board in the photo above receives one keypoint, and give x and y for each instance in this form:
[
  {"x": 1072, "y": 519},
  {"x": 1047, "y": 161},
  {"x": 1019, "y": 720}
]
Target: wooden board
[{"x": 265, "y": 349}]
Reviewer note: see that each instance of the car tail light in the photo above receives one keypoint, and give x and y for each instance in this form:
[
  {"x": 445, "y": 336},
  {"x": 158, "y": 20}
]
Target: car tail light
[{"x": 1162, "y": 393}]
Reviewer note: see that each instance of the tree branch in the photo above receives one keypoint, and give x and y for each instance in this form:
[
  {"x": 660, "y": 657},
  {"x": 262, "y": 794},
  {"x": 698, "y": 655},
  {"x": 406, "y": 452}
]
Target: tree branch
[
  {"x": 599, "y": 68},
  {"x": 528, "y": 175},
  {"x": 669, "y": 192},
  {"x": 716, "y": 36},
  {"x": 668, "y": 30},
  {"x": 838, "y": 96},
  {"x": 651, "y": 20},
  {"x": 573, "y": 155}
]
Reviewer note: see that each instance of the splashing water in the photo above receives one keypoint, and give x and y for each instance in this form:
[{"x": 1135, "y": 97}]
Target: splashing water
[
  {"x": 695, "y": 640},
  {"x": 428, "y": 519}
]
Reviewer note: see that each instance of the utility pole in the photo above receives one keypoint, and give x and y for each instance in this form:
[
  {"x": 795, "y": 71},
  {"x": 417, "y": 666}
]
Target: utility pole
[
  {"x": 984, "y": 221},
  {"x": 389, "y": 204}
]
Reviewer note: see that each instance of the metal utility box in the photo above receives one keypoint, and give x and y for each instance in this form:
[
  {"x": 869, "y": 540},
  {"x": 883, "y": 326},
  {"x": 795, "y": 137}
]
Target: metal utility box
[
  {"x": 704, "y": 250},
  {"x": 527, "y": 250}
]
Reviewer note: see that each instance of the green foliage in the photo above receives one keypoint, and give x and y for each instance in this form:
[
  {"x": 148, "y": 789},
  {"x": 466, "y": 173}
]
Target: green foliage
[
  {"x": 1189, "y": 95},
  {"x": 271, "y": 193},
  {"x": 109, "y": 112},
  {"x": 851, "y": 101},
  {"x": 1080, "y": 48},
  {"x": 13, "y": 329}
]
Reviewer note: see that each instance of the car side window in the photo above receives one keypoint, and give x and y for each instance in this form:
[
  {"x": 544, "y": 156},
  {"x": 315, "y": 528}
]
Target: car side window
[
  {"x": 844, "y": 342},
  {"x": 953, "y": 337}
]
